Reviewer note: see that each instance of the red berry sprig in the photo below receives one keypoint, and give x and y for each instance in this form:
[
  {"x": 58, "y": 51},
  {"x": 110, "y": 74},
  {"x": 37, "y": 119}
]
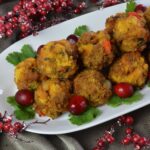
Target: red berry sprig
[
  {"x": 131, "y": 137},
  {"x": 7, "y": 126},
  {"x": 30, "y": 16}
]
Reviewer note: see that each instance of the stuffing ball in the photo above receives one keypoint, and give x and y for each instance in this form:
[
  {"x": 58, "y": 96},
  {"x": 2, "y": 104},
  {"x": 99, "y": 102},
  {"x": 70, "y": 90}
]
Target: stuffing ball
[
  {"x": 57, "y": 60},
  {"x": 130, "y": 68},
  {"x": 96, "y": 49},
  {"x": 51, "y": 97},
  {"x": 93, "y": 86},
  {"x": 129, "y": 31},
  {"x": 110, "y": 21},
  {"x": 26, "y": 75}
]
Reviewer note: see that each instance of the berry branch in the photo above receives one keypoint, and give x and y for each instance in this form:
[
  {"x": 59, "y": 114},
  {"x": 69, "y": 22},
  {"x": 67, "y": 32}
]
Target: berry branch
[
  {"x": 7, "y": 126},
  {"x": 28, "y": 17},
  {"x": 131, "y": 136}
]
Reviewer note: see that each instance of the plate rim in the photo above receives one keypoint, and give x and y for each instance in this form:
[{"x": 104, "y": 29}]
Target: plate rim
[{"x": 85, "y": 126}]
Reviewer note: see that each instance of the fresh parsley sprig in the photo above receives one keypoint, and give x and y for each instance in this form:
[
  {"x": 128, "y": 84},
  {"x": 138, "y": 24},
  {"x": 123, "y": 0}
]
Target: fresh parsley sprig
[
  {"x": 21, "y": 113},
  {"x": 131, "y": 5},
  {"x": 90, "y": 114},
  {"x": 80, "y": 30},
  {"x": 116, "y": 101},
  {"x": 16, "y": 57}
]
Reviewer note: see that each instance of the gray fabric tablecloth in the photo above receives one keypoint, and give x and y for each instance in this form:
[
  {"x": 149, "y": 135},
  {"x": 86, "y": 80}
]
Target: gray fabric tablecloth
[{"x": 80, "y": 140}]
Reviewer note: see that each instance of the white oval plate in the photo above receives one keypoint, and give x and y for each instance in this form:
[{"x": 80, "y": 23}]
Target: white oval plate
[{"x": 95, "y": 21}]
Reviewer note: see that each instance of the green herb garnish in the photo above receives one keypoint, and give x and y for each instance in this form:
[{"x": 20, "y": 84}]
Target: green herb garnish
[
  {"x": 86, "y": 117},
  {"x": 148, "y": 83},
  {"x": 80, "y": 30},
  {"x": 21, "y": 113},
  {"x": 16, "y": 57},
  {"x": 116, "y": 101},
  {"x": 131, "y": 5}
]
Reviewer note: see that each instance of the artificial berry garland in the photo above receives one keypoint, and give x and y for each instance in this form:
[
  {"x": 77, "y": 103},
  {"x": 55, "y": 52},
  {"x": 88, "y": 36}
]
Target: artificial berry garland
[
  {"x": 7, "y": 126},
  {"x": 28, "y": 16},
  {"x": 131, "y": 136}
]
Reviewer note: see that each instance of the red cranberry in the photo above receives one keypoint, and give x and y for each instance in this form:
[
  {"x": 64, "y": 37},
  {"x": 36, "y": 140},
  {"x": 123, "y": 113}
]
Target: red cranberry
[
  {"x": 100, "y": 143},
  {"x": 135, "y": 138},
  {"x": 77, "y": 105},
  {"x": 126, "y": 141},
  {"x": 72, "y": 38},
  {"x": 110, "y": 139},
  {"x": 9, "y": 32},
  {"x": 82, "y": 5},
  {"x": 59, "y": 10},
  {"x": 1, "y": 125},
  {"x": 77, "y": 11},
  {"x": 16, "y": 8},
  {"x": 10, "y": 14},
  {"x": 12, "y": 131},
  {"x": 14, "y": 19},
  {"x": 140, "y": 7},
  {"x": 142, "y": 141},
  {"x": 137, "y": 147},
  {"x": 123, "y": 90},
  {"x": 6, "y": 127},
  {"x": 69, "y": 3},
  {"x": 128, "y": 131},
  {"x": 33, "y": 11},
  {"x": 18, "y": 126},
  {"x": 43, "y": 19},
  {"x": 8, "y": 25},
  {"x": 24, "y": 27},
  {"x": 24, "y": 97},
  {"x": 129, "y": 120}
]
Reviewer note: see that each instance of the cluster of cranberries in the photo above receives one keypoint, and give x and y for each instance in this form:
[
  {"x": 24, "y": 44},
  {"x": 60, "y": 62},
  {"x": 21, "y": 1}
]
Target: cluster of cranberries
[
  {"x": 29, "y": 16},
  {"x": 7, "y": 126},
  {"x": 131, "y": 136},
  {"x": 108, "y": 3}
]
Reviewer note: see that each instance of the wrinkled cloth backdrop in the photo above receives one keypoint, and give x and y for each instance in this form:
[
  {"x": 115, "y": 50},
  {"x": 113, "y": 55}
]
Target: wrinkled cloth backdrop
[{"x": 81, "y": 140}]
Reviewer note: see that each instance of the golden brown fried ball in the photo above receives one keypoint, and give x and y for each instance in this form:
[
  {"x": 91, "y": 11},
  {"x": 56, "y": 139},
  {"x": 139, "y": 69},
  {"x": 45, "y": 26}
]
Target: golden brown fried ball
[
  {"x": 110, "y": 21},
  {"x": 96, "y": 49},
  {"x": 26, "y": 75},
  {"x": 51, "y": 97},
  {"x": 130, "y": 68},
  {"x": 56, "y": 60},
  {"x": 93, "y": 86},
  {"x": 130, "y": 32}
]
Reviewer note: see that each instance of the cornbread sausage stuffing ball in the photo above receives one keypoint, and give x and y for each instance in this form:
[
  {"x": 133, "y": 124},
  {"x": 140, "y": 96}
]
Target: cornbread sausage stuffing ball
[
  {"x": 57, "y": 60},
  {"x": 110, "y": 21},
  {"x": 93, "y": 86},
  {"x": 96, "y": 49},
  {"x": 51, "y": 97},
  {"x": 131, "y": 32},
  {"x": 130, "y": 68},
  {"x": 26, "y": 75}
]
